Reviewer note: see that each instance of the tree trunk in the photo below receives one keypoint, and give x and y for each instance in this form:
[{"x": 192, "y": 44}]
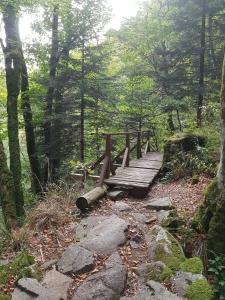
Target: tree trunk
[
  {"x": 50, "y": 94},
  {"x": 82, "y": 105},
  {"x": 178, "y": 120},
  {"x": 202, "y": 66},
  {"x": 211, "y": 48},
  {"x": 7, "y": 195},
  {"x": 170, "y": 122},
  {"x": 29, "y": 130},
  {"x": 12, "y": 55}
]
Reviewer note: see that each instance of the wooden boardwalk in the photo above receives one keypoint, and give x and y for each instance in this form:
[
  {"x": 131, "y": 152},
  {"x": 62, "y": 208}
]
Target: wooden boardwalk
[{"x": 140, "y": 173}]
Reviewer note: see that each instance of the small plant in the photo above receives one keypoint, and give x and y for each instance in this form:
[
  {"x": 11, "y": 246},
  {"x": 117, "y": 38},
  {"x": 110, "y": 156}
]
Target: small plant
[{"x": 217, "y": 269}]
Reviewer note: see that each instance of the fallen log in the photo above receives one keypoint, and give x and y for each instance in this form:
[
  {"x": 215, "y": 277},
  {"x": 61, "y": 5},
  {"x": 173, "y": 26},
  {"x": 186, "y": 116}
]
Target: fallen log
[{"x": 88, "y": 199}]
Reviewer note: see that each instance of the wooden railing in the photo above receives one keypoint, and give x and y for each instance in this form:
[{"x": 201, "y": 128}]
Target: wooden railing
[{"x": 136, "y": 140}]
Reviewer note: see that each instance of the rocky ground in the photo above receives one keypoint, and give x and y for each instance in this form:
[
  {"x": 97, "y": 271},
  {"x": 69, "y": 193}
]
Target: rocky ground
[{"x": 119, "y": 250}]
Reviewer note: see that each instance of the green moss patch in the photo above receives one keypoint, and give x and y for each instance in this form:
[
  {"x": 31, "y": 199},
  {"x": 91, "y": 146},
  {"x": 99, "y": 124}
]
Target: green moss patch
[
  {"x": 193, "y": 265},
  {"x": 199, "y": 290},
  {"x": 4, "y": 297}
]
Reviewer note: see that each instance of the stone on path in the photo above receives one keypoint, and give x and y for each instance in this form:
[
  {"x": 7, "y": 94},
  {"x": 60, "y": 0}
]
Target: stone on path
[
  {"x": 121, "y": 206},
  {"x": 117, "y": 194},
  {"x": 57, "y": 283},
  {"x": 159, "y": 204},
  {"x": 48, "y": 264},
  {"x": 107, "y": 236},
  {"x": 181, "y": 280},
  {"x": 29, "y": 289},
  {"x": 153, "y": 291},
  {"x": 87, "y": 224},
  {"x": 76, "y": 259},
  {"x": 108, "y": 284},
  {"x": 140, "y": 218},
  {"x": 151, "y": 271}
]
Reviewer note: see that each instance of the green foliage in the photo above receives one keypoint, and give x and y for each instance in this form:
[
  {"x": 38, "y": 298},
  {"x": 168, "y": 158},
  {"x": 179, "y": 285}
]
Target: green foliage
[
  {"x": 199, "y": 290},
  {"x": 193, "y": 265},
  {"x": 217, "y": 269},
  {"x": 5, "y": 297},
  {"x": 20, "y": 267}
]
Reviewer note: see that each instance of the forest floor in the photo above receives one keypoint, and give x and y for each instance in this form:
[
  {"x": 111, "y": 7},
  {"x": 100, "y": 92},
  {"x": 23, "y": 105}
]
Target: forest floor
[{"x": 52, "y": 225}]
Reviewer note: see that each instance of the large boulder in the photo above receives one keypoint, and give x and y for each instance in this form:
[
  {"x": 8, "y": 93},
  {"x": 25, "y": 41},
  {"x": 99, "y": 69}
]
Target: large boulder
[
  {"x": 108, "y": 284},
  {"x": 107, "y": 236},
  {"x": 76, "y": 259},
  {"x": 153, "y": 291},
  {"x": 162, "y": 246}
]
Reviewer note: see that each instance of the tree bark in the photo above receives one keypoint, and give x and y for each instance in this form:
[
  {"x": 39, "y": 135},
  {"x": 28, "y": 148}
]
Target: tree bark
[
  {"x": 12, "y": 56},
  {"x": 7, "y": 195},
  {"x": 50, "y": 94},
  {"x": 82, "y": 105},
  {"x": 211, "y": 47},
  {"x": 29, "y": 130},
  {"x": 202, "y": 66}
]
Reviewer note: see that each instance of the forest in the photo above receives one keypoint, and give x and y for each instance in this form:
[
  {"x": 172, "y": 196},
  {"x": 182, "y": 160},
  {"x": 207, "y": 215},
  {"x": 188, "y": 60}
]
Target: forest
[{"x": 71, "y": 96}]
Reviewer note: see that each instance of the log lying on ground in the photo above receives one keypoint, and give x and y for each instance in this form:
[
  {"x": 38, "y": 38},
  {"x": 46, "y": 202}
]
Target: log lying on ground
[{"x": 88, "y": 199}]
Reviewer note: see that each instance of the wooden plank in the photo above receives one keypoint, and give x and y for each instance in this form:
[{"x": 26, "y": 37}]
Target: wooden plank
[{"x": 127, "y": 183}]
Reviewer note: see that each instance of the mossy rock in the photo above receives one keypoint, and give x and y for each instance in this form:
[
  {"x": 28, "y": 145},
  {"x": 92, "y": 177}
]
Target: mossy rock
[
  {"x": 162, "y": 246},
  {"x": 192, "y": 265},
  {"x": 5, "y": 297},
  {"x": 199, "y": 290},
  {"x": 171, "y": 221},
  {"x": 183, "y": 142}
]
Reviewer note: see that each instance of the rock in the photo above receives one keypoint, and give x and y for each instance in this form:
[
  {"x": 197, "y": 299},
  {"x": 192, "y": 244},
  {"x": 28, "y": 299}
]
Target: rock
[
  {"x": 108, "y": 284},
  {"x": 137, "y": 238},
  {"x": 121, "y": 206},
  {"x": 181, "y": 280},
  {"x": 76, "y": 259},
  {"x": 4, "y": 262},
  {"x": 157, "y": 271},
  {"x": 117, "y": 194},
  {"x": 107, "y": 236},
  {"x": 29, "y": 288},
  {"x": 48, "y": 264},
  {"x": 141, "y": 218},
  {"x": 57, "y": 283},
  {"x": 86, "y": 225},
  {"x": 159, "y": 204},
  {"x": 162, "y": 246},
  {"x": 169, "y": 219},
  {"x": 153, "y": 291}
]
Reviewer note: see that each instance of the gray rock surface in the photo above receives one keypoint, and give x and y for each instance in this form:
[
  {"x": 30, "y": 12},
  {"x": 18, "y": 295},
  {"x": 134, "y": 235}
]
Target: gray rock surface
[
  {"x": 76, "y": 259},
  {"x": 163, "y": 215},
  {"x": 150, "y": 271},
  {"x": 57, "y": 283},
  {"x": 160, "y": 241},
  {"x": 28, "y": 289},
  {"x": 153, "y": 291},
  {"x": 48, "y": 264},
  {"x": 4, "y": 262},
  {"x": 107, "y": 236},
  {"x": 108, "y": 284},
  {"x": 181, "y": 280},
  {"x": 117, "y": 194},
  {"x": 141, "y": 218},
  {"x": 121, "y": 206},
  {"x": 86, "y": 225},
  {"x": 159, "y": 204}
]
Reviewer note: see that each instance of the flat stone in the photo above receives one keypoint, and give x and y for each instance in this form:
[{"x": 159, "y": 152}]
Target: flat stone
[
  {"x": 181, "y": 280},
  {"x": 121, "y": 206},
  {"x": 48, "y": 264},
  {"x": 153, "y": 291},
  {"x": 159, "y": 204},
  {"x": 76, "y": 259},
  {"x": 29, "y": 288},
  {"x": 117, "y": 194},
  {"x": 87, "y": 224},
  {"x": 141, "y": 218},
  {"x": 108, "y": 284},
  {"x": 57, "y": 283},
  {"x": 107, "y": 236}
]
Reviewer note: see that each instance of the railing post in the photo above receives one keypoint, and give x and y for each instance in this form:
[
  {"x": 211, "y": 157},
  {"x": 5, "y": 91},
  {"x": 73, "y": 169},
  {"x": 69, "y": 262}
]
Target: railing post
[
  {"x": 105, "y": 173},
  {"x": 149, "y": 143},
  {"x": 139, "y": 153},
  {"x": 128, "y": 147}
]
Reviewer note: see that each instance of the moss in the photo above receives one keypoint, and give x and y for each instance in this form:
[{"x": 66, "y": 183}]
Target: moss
[
  {"x": 5, "y": 297},
  {"x": 165, "y": 275},
  {"x": 199, "y": 290},
  {"x": 174, "y": 260},
  {"x": 193, "y": 265},
  {"x": 195, "y": 179}
]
